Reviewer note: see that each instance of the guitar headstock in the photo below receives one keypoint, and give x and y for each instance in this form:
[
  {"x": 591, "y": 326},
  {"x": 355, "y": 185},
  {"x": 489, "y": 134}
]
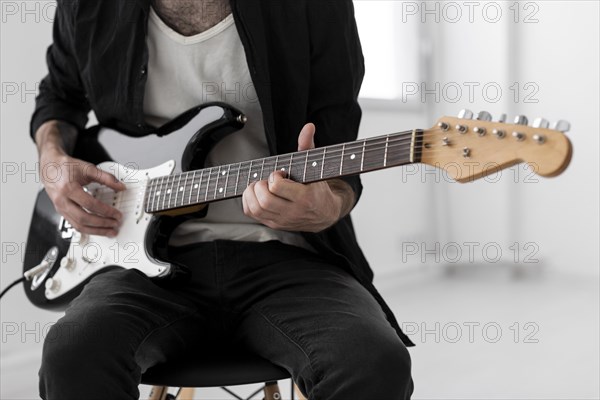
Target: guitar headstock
[{"x": 468, "y": 148}]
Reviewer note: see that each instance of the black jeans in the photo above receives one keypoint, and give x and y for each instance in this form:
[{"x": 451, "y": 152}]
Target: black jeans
[{"x": 283, "y": 303}]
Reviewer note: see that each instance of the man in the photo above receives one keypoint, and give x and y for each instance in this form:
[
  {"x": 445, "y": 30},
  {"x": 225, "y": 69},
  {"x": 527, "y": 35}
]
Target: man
[{"x": 279, "y": 271}]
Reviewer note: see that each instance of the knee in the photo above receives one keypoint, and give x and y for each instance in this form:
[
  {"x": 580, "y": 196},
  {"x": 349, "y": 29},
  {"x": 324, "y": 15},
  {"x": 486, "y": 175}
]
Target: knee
[
  {"x": 60, "y": 356},
  {"x": 390, "y": 362},
  {"x": 79, "y": 336},
  {"x": 381, "y": 366}
]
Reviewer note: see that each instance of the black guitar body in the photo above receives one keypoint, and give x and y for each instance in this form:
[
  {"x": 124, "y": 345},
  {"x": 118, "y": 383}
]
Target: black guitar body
[{"x": 187, "y": 140}]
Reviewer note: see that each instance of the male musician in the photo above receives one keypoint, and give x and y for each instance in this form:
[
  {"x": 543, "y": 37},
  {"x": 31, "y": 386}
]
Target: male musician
[{"x": 277, "y": 272}]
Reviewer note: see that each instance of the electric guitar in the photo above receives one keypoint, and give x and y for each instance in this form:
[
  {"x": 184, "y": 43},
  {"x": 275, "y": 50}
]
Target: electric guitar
[{"x": 160, "y": 195}]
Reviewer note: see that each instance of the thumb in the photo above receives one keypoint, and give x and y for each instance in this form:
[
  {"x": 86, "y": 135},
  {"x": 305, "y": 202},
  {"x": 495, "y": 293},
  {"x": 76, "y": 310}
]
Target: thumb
[{"x": 306, "y": 139}]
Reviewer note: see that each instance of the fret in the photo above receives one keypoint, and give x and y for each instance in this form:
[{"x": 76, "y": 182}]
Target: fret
[
  {"x": 191, "y": 187},
  {"x": 177, "y": 190},
  {"x": 333, "y": 161},
  {"x": 362, "y": 157},
  {"x": 276, "y": 162},
  {"x": 163, "y": 191},
  {"x": 199, "y": 186},
  {"x": 297, "y": 165},
  {"x": 313, "y": 165},
  {"x": 270, "y": 165},
  {"x": 350, "y": 163},
  {"x": 253, "y": 173},
  {"x": 237, "y": 179},
  {"x": 387, "y": 140},
  {"x": 323, "y": 161},
  {"x": 305, "y": 164},
  {"x": 207, "y": 184},
  {"x": 170, "y": 191},
  {"x": 152, "y": 193},
  {"x": 399, "y": 150},
  {"x": 342, "y": 158},
  {"x": 217, "y": 183},
  {"x": 262, "y": 169},
  {"x": 283, "y": 164},
  {"x": 227, "y": 180},
  {"x": 290, "y": 167},
  {"x": 374, "y": 154},
  {"x": 249, "y": 173}
]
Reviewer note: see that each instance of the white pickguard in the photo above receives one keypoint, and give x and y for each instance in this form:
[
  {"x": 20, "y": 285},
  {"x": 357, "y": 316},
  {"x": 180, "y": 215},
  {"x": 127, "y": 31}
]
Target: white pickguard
[{"x": 89, "y": 254}]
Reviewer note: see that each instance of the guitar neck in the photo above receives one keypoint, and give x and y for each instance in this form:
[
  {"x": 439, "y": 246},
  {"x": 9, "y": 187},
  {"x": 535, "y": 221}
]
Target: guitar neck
[{"x": 228, "y": 181}]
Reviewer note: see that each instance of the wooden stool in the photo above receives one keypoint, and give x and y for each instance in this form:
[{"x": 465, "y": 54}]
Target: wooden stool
[{"x": 239, "y": 368}]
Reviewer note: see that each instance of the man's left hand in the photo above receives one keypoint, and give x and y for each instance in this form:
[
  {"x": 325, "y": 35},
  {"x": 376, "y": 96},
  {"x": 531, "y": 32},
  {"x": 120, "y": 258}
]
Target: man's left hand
[{"x": 283, "y": 204}]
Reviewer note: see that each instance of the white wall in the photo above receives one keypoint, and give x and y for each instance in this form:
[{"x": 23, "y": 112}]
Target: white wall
[{"x": 555, "y": 63}]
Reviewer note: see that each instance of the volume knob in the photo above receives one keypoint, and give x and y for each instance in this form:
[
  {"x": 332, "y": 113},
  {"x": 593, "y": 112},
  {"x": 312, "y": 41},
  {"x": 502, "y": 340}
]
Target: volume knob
[
  {"x": 67, "y": 263},
  {"x": 52, "y": 284}
]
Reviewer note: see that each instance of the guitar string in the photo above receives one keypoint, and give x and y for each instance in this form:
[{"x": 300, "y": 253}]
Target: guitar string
[
  {"x": 333, "y": 154},
  {"x": 124, "y": 203},
  {"x": 369, "y": 147},
  {"x": 157, "y": 184},
  {"x": 170, "y": 180}
]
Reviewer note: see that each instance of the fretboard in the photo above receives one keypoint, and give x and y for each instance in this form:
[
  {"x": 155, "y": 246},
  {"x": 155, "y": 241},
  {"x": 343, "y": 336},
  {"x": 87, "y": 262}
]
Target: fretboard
[{"x": 227, "y": 181}]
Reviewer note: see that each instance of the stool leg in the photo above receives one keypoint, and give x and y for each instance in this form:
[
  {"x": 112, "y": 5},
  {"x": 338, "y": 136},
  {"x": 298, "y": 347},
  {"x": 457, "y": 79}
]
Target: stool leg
[
  {"x": 299, "y": 393},
  {"x": 158, "y": 393},
  {"x": 272, "y": 391},
  {"x": 185, "y": 394}
]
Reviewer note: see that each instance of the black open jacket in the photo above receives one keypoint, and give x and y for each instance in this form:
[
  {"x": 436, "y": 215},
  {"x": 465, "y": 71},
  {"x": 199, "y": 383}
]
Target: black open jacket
[{"x": 305, "y": 60}]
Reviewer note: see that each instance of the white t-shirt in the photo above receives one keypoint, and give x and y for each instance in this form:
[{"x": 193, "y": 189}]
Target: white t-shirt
[{"x": 184, "y": 71}]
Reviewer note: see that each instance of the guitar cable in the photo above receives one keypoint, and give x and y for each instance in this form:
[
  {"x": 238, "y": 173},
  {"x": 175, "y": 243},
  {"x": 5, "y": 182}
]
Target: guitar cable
[
  {"x": 15, "y": 283},
  {"x": 37, "y": 273}
]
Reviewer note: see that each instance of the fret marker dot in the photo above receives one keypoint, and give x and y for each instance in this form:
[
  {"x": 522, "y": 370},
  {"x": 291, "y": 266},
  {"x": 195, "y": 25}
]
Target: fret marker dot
[
  {"x": 255, "y": 175},
  {"x": 224, "y": 173},
  {"x": 168, "y": 191},
  {"x": 181, "y": 189},
  {"x": 353, "y": 156},
  {"x": 314, "y": 164},
  {"x": 158, "y": 193},
  {"x": 283, "y": 169},
  {"x": 196, "y": 186},
  {"x": 220, "y": 190}
]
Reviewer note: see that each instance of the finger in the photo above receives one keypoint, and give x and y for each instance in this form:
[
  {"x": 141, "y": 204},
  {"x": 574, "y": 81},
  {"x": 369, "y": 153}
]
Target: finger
[
  {"x": 269, "y": 201},
  {"x": 90, "y": 230},
  {"x": 285, "y": 188},
  {"x": 306, "y": 139},
  {"x": 95, "y": 174},
  {"x": 95, "y": 206},
  {"x": 84, "y": 218},
  {"x": 252, "y": 207}
]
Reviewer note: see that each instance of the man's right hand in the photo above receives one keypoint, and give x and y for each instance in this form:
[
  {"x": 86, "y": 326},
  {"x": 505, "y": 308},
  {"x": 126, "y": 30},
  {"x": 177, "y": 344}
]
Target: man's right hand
[{"x": 64, "y": 177}]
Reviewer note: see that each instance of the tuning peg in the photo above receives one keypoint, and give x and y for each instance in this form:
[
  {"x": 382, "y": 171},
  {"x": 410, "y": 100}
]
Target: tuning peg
[
  {"x": 561, "y": 125},
  {"x": 484, "y": 116},
  {"x": 540, "y": 123},
  {"x": 521, "y": 120},
  {"x": 465, "y": 114},
  {"x": 502, "y": 118}
]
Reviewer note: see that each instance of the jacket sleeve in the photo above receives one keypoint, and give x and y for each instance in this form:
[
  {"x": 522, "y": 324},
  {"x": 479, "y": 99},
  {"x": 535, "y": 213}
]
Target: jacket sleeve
[
  {"x": 61, "y": 94},
  {"x": 337, "y": 70}
]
